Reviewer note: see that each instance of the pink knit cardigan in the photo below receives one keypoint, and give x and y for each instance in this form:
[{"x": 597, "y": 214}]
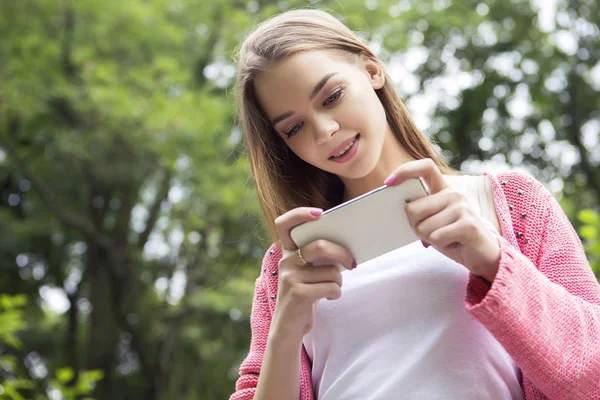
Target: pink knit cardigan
[{"x": 543, "y": 306}]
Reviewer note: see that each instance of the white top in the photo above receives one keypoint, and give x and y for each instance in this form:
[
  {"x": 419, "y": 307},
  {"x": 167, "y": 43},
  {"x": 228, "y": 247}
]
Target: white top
[{"x": 400, "y": 331}]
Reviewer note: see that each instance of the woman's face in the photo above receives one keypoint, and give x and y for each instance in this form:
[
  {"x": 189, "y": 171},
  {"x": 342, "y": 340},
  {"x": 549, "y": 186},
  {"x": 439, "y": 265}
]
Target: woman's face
[{"x": 321, "y": 102}]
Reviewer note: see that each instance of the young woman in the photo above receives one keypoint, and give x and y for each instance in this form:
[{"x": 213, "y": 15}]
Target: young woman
[{"x": 497, "y": 300}]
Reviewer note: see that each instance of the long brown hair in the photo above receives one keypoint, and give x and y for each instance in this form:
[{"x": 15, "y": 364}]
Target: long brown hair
[{"x": 283, "y": 180}]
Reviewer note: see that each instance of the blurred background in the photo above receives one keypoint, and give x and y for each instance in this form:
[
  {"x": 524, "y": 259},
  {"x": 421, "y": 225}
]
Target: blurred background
[{"x": 130, "y": 234}]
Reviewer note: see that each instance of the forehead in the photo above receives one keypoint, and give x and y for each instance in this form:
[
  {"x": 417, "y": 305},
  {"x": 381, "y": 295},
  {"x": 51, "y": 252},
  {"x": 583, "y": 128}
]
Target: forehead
[{"x": 294, "y": 78}]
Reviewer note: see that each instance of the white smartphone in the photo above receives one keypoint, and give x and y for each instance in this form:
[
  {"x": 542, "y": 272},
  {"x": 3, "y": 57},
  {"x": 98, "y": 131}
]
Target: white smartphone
[{"x": 369, "y": 225}]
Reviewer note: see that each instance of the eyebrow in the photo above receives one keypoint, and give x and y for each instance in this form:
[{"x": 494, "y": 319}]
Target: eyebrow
[{"x": 314, "y": 92}]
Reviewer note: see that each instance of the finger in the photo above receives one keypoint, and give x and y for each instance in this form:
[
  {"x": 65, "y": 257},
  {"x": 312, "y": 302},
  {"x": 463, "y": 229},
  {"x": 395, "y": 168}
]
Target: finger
[
  {"x": 325, "y": 252},
  {"x": 458, "y": 232},
  {"x": 293, "y": 275},
  {"x": 423, "y": 208},
  {"x": 446, "y": 217},
  {"x": 328, "y": 290},
  {"x": 284, "y": 223},
  {"x": 322, "y": 273},
  {"x": 425, "y": 169}
]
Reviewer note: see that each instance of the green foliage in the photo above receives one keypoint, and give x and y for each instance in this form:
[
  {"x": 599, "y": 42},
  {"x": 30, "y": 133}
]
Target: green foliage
[
  {"x": 589, "y": 230},
  {"x": 11, "y": 319},
  {"x": 10, "y": 388},
  {"x": 12, "y": 323},
  {"x": 84, "y": 385},
  {"x": 125, "y": 196}
]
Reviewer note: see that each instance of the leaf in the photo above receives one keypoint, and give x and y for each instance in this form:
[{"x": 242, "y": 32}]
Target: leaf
[
  {"x": 13, "y": 342},
  {"x": 65, "y": 374},
  {"x": 19, "y": 300},
  {"x": 5, "y": 302},
  {"x": 93, "y": 375},
  {"x": 589, "y": 217},
  {"x": 589, "y": 232}
]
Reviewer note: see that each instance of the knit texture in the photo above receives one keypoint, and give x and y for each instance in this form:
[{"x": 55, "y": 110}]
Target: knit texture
[{"x": 543, "y": 306}]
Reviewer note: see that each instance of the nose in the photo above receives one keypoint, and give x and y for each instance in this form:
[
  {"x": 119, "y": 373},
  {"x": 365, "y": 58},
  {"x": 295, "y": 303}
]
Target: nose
[{"x": 325, "y": 128}]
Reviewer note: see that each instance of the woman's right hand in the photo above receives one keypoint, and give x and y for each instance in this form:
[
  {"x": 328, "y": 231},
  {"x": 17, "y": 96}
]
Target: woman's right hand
[{"x": 302, "y": 285}]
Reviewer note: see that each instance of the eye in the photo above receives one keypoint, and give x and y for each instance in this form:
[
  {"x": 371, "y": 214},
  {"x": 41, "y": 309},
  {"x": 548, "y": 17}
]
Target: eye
[
  {"x": 294, "y": 130},
  {"x": 333, "y": 98}
]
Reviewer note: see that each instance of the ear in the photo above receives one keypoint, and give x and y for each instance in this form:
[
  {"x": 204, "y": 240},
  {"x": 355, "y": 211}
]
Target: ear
[{"x": 375, "y": 72}]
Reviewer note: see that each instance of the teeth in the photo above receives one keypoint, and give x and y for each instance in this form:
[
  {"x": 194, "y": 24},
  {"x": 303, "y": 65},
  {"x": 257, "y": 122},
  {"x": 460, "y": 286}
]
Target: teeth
[{"x": 345, "y": 149}]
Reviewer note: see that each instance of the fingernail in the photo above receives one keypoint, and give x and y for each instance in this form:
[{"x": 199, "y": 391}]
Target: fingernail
[
  {"x": 426, "y": 245},
  {"x": 389, "y": 180},
  {"x": 353, "y": 264},
  {"x": 316, "y": 212}
]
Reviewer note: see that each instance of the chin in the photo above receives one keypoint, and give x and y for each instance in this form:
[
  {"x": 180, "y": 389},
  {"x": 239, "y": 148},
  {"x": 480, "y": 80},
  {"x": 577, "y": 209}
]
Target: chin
[{"x": 360, "y": 169}]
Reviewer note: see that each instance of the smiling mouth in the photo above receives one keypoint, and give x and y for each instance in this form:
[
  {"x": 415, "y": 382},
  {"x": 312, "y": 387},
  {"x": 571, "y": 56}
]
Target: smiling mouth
[{"x": 345, "y": 149}]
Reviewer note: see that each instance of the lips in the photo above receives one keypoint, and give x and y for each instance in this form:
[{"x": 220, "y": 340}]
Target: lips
[{"x": 342, "y": 146}]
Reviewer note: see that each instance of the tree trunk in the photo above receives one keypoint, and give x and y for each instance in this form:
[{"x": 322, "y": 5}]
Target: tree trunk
[
  {"x": 72, "y": 345},
  {"x": 104, "y": 332}
]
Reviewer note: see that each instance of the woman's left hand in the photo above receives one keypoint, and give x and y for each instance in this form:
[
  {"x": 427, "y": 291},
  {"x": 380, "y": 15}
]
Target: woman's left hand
[{"x": 445, "y": 220}]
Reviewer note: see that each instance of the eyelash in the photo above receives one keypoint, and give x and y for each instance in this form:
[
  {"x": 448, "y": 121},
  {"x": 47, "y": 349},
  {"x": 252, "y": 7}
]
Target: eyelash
[{"x": 337, "y": 94}]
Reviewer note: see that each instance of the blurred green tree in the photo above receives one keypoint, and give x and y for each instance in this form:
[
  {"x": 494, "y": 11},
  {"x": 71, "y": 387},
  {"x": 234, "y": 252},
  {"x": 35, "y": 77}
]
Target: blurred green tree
[
  {"x": 590, "y": 232},
  {"x": 125, "y": 196},
  {"x": 16, "y": 384}
]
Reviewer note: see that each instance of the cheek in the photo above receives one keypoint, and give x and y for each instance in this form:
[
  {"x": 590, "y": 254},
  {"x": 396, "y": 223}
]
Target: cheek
[
  {"x": 305, "y": 150},
  {"x": 364, "y": 110}
]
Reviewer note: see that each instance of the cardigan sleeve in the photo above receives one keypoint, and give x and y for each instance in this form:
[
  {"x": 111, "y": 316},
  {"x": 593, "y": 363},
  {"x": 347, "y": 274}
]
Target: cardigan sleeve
[
  {"x": 260, "y": 322},
  {"x": 546, "y": 314}
]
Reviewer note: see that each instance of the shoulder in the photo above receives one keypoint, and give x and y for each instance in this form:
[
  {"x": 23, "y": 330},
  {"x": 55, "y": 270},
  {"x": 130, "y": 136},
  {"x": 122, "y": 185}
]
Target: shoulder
[
  {"x": 514, "y": 178},
  {"x": 505, "y": 183},
  {"x": 269, "y": 268},
  {"x": 508, "y": 199},
  {"x": 524, "y": 204},
  {"x": 519, "y": 187},
  {"x": 272, "y": 255},
  {"x": 478, "y": 191}
]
